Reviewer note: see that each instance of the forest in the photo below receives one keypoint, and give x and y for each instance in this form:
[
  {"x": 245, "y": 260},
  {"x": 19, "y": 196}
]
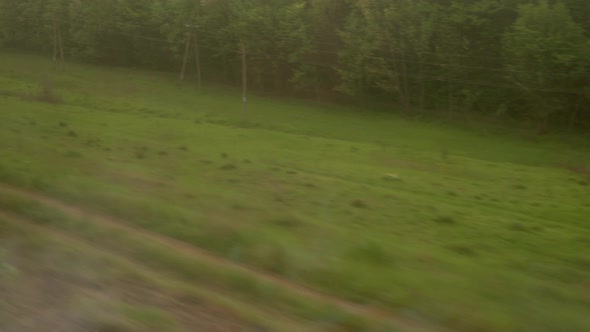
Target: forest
[{"x": 521, "y": 60}]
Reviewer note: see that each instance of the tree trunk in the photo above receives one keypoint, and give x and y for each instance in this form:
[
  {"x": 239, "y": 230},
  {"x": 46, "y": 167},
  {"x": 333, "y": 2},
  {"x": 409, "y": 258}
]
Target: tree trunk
[{"x": 405, "y": 84}]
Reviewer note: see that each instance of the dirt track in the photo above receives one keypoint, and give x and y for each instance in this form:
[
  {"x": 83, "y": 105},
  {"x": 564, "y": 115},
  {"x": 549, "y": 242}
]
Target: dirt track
[
  {"x": 202, "y": 255},
  {"x": 47, "y": 298}
]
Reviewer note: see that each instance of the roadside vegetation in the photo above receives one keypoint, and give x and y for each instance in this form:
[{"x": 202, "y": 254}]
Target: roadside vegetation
[{"x": 293, "y": 215}]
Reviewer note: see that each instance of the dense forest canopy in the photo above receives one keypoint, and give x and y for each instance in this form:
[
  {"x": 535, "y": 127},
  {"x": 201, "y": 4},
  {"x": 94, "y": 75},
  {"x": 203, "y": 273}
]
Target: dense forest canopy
[{"x": 529, "y": 60}]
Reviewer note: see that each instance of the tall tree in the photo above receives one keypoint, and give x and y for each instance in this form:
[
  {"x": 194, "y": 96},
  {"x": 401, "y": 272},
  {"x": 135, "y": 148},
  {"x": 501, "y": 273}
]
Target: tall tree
[
  {"x": 462, "y": 56},
  {"x": 547, "y": 55}
]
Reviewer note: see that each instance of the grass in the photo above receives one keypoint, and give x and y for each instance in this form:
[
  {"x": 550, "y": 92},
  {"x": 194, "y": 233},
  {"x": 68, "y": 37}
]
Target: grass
[
  {"x": 490, "y": 235},
  {"x": 181, "y": 266},
  {"x": 88, "y": 269},
  {"x": 37, "y": 260}
]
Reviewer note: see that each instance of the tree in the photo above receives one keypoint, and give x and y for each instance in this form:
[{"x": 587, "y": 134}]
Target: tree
[
  {"x": 360, "y": 61},
  {"x": 171, "y": 19},
  {"x": 521, "y": 57},
  {"x": 23, "y": 25},
  {"x": 275, "y": 35},
  {"x": 547, "y": 55}
]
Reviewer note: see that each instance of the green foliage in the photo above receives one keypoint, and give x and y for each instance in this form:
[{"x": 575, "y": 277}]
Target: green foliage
[
  {"x": 547, "y": 51},
  {"x": 462, "y": 57}
]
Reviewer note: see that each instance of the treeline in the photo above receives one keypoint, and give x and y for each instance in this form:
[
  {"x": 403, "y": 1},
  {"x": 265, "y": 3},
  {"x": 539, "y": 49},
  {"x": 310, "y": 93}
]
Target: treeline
[{"x": 524, "y": 59}]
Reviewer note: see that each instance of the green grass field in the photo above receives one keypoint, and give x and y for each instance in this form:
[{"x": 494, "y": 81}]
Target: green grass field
[{"x": 430, "y": 223}]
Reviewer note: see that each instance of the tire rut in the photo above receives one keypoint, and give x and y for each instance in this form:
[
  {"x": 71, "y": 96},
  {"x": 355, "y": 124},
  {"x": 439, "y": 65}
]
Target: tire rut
[
  {"x": 183, "y": 310},
  {"x": 203, "y": 255}
]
